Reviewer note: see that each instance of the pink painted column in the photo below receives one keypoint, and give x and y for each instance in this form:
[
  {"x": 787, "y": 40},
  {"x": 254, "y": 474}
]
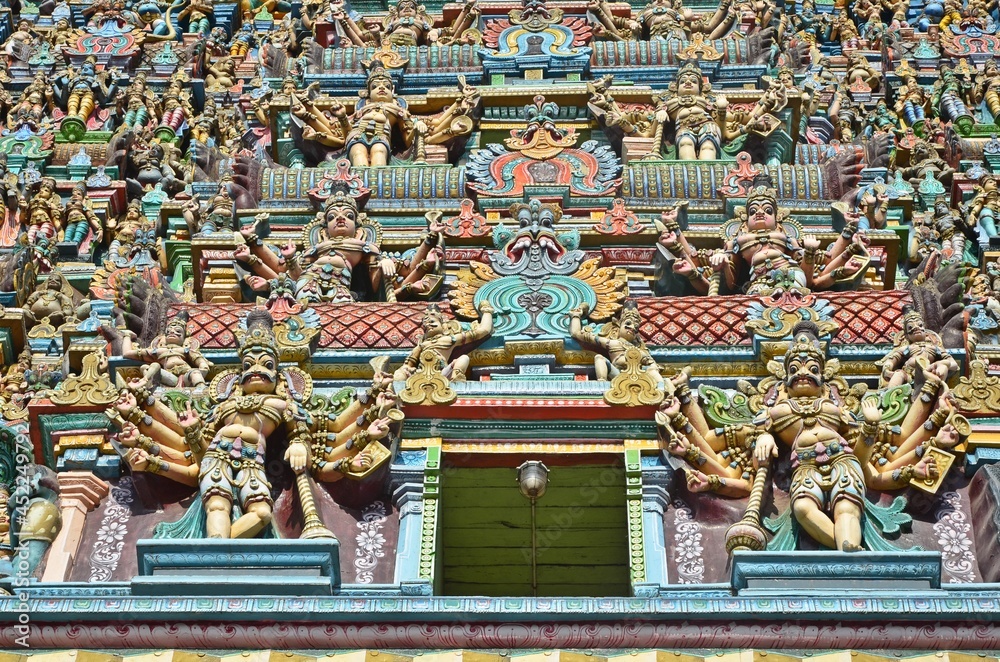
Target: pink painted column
[{"x": 79, "y": 493}]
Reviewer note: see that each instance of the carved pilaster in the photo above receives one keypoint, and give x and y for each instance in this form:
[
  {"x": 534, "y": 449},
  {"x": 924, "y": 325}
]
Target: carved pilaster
[{"x": 79, "y": 493}]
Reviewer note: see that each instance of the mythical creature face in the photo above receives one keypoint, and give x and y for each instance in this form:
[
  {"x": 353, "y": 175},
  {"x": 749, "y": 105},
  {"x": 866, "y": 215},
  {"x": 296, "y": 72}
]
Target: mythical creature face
[
  {"x": 804, "y": 376},
  {"x": 260, "y": 373},
  {"x": 341, "y": 221},
  {"x": 761, "y": 215},
  {"x": 39, "y": 216},
  {"x": 628, "y": 329}
]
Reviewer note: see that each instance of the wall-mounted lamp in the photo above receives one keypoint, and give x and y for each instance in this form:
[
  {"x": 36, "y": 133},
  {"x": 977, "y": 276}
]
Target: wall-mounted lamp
[{"x": 532, "y": 477}]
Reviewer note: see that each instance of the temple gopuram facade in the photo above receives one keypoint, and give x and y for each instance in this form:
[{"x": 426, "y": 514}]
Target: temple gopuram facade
[{"x": 499, "y": 329}]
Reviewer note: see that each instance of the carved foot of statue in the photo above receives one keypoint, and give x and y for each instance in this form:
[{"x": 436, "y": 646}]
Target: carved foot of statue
[{"x": 851, "y": 547}]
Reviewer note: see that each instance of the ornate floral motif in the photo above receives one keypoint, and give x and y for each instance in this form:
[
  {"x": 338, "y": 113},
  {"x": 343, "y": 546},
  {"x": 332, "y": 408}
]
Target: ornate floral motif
[
  {"x": 688, "y": 550},
  {"x": 371, "y": 542},
  {"x": 952, "y": 530},
  {"x": 110, "y": 540}
]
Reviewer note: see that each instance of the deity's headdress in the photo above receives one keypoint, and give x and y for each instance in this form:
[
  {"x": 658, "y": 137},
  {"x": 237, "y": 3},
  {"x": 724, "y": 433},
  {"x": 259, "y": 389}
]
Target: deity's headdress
[
  {"x": 911, "y": 314},
  {"x": 630, "y": 311},
  {"x": 259, "y": 334},
  {"x": 805, "y": 343},
  {"x": 763, "y": 193}
]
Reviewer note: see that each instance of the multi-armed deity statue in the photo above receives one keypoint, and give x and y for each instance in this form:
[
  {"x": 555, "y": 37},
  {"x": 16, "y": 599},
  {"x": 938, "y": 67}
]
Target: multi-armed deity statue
[{"x": 363, "y": 297}]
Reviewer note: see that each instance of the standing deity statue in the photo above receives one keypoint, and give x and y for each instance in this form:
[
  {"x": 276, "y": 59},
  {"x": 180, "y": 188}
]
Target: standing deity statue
[
  {"x": 840, "y": 443},
  {"x": 80, "y": 218},
  {"x": 378, "y": 117},
  {"x": 698, "y": 116},
  {"x": 42, "y": 213},
  {"x": 81, "y": 90}
]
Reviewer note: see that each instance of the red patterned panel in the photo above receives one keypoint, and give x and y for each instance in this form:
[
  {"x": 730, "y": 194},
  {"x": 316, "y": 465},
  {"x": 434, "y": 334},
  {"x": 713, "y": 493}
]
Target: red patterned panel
[
  {"x": 868, "y": 317},
  {"x": 694, "y": 320},
  {"x": 213, "y": 326},
  {"x": 343, "y": 326}
]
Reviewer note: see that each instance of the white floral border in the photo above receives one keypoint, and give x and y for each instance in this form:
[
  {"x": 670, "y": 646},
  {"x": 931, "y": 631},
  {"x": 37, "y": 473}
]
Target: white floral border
[
  {"x": 688, "y": 549},
  {"x": 107, "y": 550},
  {"x": 952, "y": 531},
  {"x": 371, "y": 542}
]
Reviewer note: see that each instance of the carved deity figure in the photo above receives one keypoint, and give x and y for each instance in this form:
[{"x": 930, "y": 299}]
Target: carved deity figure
[
  {"x": 697, "y": 115},
  {"x": 42, "y": 213},
  {"x": 378, "y": 117},
  {"x": 222, "y": 451},
  {"x": 81, "y": 90},
  {"x": 440, "y": 340},
  {"x": 983, "y": 210},
  {"x": 764, "y": 252},
  {"x": 34, "y": 108},
  {"x": 839, "y": 440},
  {"x": 614, "y": 339},
  {"x": 80, "y": 218},
  {"x": 924, "y": 161},
  {"x": 217, "y": 215},
  {"x": 172, "y": 358},
  {"x": 987, "y": 88},
  {"x": 670, "y": 19},
  {"x": 137, "y": 105},
  {"x": 917, "y": 351},
  {"x": 340, "y": 244},
  {"x": 55, "y": 300}
]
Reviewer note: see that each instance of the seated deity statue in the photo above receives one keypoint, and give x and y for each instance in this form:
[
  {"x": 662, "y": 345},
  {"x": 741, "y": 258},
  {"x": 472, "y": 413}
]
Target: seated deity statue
[
  {"x": 441, "y": 338},
  {"x": 765, "y": 251},
  {"x": 615, "y": 339}
]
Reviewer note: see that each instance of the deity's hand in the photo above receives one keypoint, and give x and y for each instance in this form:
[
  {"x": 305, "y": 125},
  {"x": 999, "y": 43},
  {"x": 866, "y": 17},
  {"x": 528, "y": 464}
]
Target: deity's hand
[
  {"x": 256, "y": 283},
  {"x": 764, "y": 450},
  {"x": 718, "y": 260},
  {"x": 99, "y": 236},
  {"x": 580, "y": 310},
  {"x": 297, "y": 456},
  {"x": 379, "y": 428},
  {"x": 403, "y": 373},
  {"x": 388, "y": 267},
  {"x": 662, "y": 116},
  {"x": 697, "y": 481},
  {"x": 137, "y": 458},
  {"x": 242, "y": 253},
  {"x": 338, "y": 110},
  {"x": 126, "y": 403},
  {"x": 670, "y": 407},
  {"x": 669, "y": 239},
  {"x": 385, "y": 401},
  {"x": 677, "y": 444},
  {"x": 870, "y": 410},
  {"x": 189, "y": 417},
  {"x": 926, "y": 469},
  {"x": 360, "y": 463},
  {"x": 810, "y": 242},
  {"x": 288, "y": 249},
  {"x": 436, "y": 226},
  {"x": 420, "y": 127},
  {"x": 129, "y": 436},
  {"x": 485, "y": 308},
  {"x": 947, "y": 437},
  {"x": 308, "y": 132}
]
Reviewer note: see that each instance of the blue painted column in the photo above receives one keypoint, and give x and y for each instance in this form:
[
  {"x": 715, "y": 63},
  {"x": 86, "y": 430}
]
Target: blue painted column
[
  {"x": 407, "y": 480},
  {"x": 656, "y": 479}
]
